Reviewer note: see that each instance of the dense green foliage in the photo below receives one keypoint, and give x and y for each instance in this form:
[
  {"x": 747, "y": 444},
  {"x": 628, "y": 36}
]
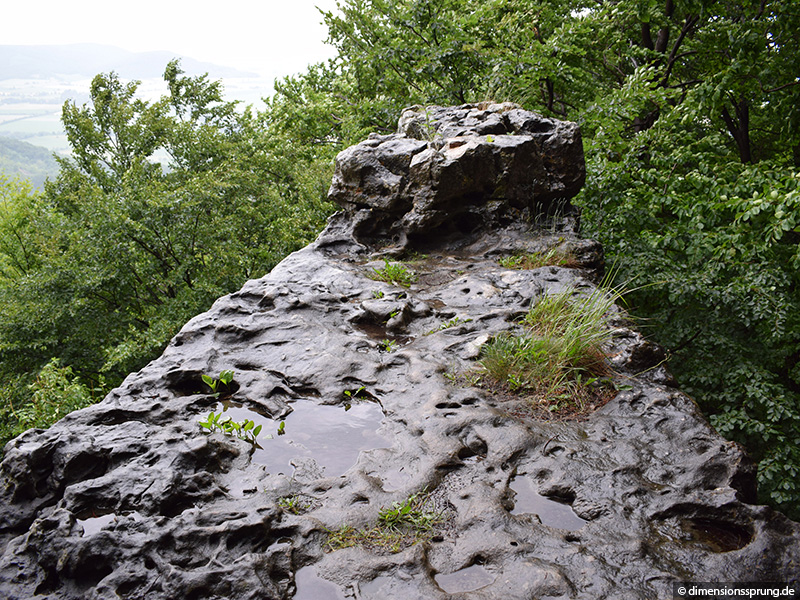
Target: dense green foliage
[
  {"x": 692, "y": 136},
  {"x": 162, "y": 208}
]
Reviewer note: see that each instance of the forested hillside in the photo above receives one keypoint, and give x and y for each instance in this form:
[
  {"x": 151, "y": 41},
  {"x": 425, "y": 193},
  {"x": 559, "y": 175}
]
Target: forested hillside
[
  {"x": 24, "y": 160},
  {"x": 689, "y": 111}
]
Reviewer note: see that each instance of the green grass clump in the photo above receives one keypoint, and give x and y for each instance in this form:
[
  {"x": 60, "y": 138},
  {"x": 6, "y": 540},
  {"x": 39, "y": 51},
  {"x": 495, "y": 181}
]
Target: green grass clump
[
  {"x": 560, "y": 349},
  {"x": 553, "y": 257},
  {"x": 399, "y": 526},
  {"x": 295, "y": 504},
  {"x": 394, "y": 273}
]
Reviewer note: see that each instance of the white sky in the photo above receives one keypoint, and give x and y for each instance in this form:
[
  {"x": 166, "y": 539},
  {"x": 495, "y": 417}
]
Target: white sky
[{"x": 269, "y": 37}]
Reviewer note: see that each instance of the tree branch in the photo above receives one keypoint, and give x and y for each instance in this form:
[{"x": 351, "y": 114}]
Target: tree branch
[{"x": 688, "y": 25}]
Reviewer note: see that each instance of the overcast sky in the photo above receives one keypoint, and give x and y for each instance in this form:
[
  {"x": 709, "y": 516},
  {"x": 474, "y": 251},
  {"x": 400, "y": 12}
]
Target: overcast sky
[{"x": 268, "y": 37}]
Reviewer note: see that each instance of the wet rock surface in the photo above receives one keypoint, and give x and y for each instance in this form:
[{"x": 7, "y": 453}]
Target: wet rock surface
[
  {"x": 453, "y": 170},
  {"x": 130, "y": 498}
]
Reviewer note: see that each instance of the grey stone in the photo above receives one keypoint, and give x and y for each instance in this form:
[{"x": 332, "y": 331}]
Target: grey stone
[
  {"x": 457, "y": 170},
  {"x": 130, "y": 498}
]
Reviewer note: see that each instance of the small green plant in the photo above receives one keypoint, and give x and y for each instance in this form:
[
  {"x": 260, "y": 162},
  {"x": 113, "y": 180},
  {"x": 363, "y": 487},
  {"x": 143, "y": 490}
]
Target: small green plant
[
  {"x": 430, "y": 126},
  {"x": 398, "y": 526},
  {"x": 377, "y": 294},
  {"x": 394, "y": 273},
  {"x": 410, "y": 513},
  {"x": 282, "y": 428},
  {"x": 553, "y": 257},
  {"x": 559, "y": 353},
  {"x": 295, "y": 504},
  {"x": 490, "y": 138},
  {"x": 387, "y": 345},
  {"x": 246, "y": 430},
  {"x": 449, "y": 324},
  {"x": 469, "y": 378},
  {"x": 353, "y": 394},
  {"x": 217, "y": 385}
]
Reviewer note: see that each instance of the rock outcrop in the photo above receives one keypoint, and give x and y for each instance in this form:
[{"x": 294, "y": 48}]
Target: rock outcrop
[
  {"x": 454, "y": 170},
  {"x": 131, "y": 498}
]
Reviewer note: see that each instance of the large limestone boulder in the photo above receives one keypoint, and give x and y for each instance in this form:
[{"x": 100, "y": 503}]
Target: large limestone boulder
[{"x": 458, "y": 170}]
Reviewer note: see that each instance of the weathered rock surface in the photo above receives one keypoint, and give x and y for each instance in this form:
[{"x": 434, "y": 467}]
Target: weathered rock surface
[
  {"x": 131, "y": 499},
  {"x": 455, "y": 170}
]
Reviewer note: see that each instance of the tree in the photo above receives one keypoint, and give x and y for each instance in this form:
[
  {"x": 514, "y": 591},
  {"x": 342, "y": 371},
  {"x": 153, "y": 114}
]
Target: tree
[
  {"x": 413, "y": 49},
  {"x": 121, "y": 249}
]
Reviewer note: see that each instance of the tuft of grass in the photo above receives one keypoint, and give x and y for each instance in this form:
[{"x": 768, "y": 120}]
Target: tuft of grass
[
  {"x": 553, "y": 257},
  {"x": 295, "y": 504},
  {"x": 559, "y": 351},
  {"x": 399, "y": 526},
  {"x": 394, "y": 273}
]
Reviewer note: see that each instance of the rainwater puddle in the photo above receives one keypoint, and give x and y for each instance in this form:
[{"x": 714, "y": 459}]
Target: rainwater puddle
[
  {"x": 464, "y": 580},
  {"x": 93, "y": 525},
  {"x": 719, "y": 536},
  {"x": 550, "y": 512},
  {"x": 372, "y": 589},
  {"x": 311, "y": 586},
  {"x": 378, "y": 332},
  {"x": 712, "y": 534},
  {"x": 329, "y": 435}
]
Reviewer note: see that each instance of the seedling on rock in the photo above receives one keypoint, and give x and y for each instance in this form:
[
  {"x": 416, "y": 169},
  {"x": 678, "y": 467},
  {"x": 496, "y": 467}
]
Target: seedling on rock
[
  {"x": 448, "y": 324},
  {"x": 408, "y": 514},
  {"x": 353, "y": 394},
  {"x": 294, "y": 504},
  {"x": 394, "y": 273},
  {"x": 246, "y": 430},
  {"x": 399, "y": 526},
  {"x": 218, "y": 385},
  {"x": 387, "y": 345}
]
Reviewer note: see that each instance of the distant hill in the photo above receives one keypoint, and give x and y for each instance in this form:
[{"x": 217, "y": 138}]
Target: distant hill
[
  {"x": 21, "y": 159},
  {"x": 87, "y": 60}
]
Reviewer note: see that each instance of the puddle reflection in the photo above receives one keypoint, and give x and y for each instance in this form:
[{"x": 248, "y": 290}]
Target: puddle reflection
[
  {"x": 311, "y": 586},
  {"x": 465, "y": 580},
  {"x": 329, "y": 435},
  {"x": 550, "y": 512}
]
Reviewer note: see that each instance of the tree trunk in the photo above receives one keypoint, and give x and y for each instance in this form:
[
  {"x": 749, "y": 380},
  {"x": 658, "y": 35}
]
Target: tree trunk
[{"x": 739, "y": 128}]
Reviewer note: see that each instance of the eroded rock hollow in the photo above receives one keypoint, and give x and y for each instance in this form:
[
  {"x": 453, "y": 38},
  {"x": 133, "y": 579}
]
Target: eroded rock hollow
[{"x": 374, "y": 384}]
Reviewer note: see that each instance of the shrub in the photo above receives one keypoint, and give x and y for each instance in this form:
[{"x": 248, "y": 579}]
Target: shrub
[{"x": 55, "y": 393}]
